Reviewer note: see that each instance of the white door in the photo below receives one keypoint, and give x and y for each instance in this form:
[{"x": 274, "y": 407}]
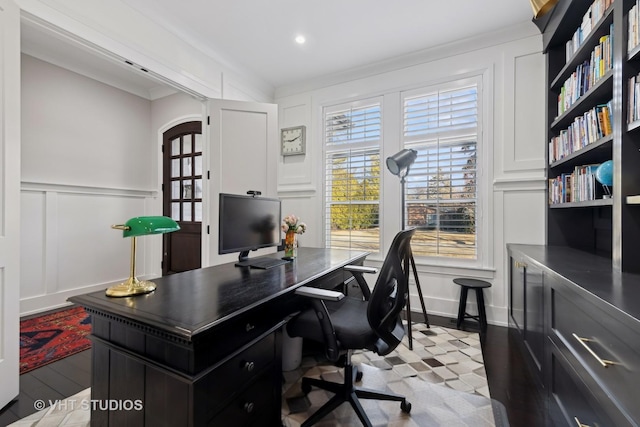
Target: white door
[
  {"x": 243, "y": 155},
  {"x": 9, "y": 200}
]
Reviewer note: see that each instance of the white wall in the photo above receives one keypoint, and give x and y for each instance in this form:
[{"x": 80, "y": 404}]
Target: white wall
[
  {"x": 512, "y": 68},
  {"x": 124, "y": 33},
  {"x": 118, "y": 186},
  {"x": 85, "y": 165}
]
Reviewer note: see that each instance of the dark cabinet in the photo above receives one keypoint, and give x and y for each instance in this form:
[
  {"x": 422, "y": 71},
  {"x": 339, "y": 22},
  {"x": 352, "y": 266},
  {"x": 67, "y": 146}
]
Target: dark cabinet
[
  {"x": 526, "y": 309},
  {"x": 516, "y": 294},
  {"x": 579, "y": 322}
]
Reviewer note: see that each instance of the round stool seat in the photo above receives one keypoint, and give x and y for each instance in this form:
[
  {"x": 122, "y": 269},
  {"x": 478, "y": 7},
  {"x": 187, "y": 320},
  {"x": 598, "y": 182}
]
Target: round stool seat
[
  {"x": 477, "y": 285},
  {"x": 471, "y": 283}
]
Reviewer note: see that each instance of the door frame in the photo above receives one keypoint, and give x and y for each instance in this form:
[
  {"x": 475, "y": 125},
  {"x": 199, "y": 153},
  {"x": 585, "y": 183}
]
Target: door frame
[
  {"x": 157, "y": 250},
  {"x": 10, "y": 201},
  {"x": 166, "y": 201}
]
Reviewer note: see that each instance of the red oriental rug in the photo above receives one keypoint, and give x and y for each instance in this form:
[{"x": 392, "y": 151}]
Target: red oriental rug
[{"x": 51, "y": 337}]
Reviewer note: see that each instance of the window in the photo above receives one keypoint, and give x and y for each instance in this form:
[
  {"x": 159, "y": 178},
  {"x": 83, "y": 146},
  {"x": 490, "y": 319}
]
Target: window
[
  {"x": 441, "y": 192},
  {"x": 352, "y": 136}
]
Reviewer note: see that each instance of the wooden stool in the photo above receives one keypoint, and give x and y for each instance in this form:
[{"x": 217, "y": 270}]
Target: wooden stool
[{"x": 476, "y": 285}]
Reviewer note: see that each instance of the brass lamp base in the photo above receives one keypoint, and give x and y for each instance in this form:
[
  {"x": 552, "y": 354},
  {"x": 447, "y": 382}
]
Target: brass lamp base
[{"x": 131, "y": 287}]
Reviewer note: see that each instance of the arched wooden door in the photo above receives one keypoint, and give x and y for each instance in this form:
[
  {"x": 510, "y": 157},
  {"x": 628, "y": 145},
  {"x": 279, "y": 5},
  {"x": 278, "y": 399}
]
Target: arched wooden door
[{"x": 182, "y": 196}]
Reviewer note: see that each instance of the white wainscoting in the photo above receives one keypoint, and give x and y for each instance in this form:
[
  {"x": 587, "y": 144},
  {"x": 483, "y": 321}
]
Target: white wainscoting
[{"x": 68, "y": 246}]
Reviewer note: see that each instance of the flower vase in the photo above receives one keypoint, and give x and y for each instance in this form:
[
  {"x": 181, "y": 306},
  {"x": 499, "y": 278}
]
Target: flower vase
[{"x": 290, "y": 245}]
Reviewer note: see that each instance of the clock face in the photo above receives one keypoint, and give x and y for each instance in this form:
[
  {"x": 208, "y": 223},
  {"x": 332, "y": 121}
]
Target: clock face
[{"x": 293, "y": 140}]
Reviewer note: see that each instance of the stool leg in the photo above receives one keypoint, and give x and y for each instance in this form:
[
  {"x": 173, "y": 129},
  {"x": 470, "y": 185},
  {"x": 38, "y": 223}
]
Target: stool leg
[
  {"x": 463, "y": 306},
  {"x": 481, "y": 311}
]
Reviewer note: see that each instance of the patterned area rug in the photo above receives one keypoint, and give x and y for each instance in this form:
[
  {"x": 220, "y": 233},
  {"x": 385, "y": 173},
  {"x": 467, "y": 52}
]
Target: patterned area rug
[
  {"x": 443, "y": 378},
  {"x": 45, "y": 339}
]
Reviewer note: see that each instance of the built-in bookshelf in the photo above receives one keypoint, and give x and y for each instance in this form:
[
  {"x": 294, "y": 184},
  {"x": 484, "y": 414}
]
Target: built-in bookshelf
[{"x": 593, "y": 115}]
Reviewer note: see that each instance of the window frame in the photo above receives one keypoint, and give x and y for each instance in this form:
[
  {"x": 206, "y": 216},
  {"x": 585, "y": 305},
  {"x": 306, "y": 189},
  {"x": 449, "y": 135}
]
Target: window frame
[
  {"x": 354, "y": 146},
  {"x": 482, "y": 188}
]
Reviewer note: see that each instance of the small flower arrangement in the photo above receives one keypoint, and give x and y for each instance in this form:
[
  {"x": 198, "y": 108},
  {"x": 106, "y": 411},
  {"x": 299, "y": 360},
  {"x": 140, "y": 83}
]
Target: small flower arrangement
[{"x": 293, "y": 223}]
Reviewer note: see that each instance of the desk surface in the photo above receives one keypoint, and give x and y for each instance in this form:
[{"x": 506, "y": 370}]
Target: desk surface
[{"x": 189, "y": 303}]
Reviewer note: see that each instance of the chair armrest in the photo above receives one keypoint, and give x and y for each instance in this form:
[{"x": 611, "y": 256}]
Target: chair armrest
[
  {"x": 357, "y": 271},
  {"x": 360, "y": 269},
  {"x": 316, "y": 298},
  {"x": 324, "y": 294}
]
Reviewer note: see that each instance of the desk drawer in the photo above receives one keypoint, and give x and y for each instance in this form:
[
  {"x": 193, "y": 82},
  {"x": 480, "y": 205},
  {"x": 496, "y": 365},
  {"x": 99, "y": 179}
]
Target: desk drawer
[
  {"x": 235, "y": 334},
  {"x": 231, "y": 377},
  {"x": 255, "y": 406},
  {"x": 606, "y": 348}
]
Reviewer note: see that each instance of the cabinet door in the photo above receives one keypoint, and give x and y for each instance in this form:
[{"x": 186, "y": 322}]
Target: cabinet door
[
  {"x": 526, "y": 308},
  {"x": 534, "y": 314},
  {"x": 516, "y": 294}
]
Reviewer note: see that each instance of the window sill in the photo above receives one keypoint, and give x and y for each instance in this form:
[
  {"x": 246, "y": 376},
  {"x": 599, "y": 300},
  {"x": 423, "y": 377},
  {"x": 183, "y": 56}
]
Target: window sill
[{"x": 424, "y": 266}]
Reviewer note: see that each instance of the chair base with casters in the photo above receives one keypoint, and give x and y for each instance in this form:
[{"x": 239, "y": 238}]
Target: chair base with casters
[
  {"x": 348, "y": 392},
  {"x": 344, "y": 324}
]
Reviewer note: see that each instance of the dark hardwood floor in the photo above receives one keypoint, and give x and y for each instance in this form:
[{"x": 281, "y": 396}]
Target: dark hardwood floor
[{"x": 510, "y": 381}]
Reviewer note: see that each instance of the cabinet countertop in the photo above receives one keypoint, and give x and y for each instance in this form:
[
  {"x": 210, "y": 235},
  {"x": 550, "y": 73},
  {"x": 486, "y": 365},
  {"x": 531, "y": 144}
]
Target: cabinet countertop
[{"x": 592, "y": 273}]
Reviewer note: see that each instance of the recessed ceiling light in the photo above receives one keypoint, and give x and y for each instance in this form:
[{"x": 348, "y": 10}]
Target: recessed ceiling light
[{"x": 300, "y": 39}]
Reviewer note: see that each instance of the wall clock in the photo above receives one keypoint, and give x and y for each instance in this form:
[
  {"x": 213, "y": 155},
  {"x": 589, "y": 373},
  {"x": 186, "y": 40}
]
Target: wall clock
[{"x": 292, "y": 140}]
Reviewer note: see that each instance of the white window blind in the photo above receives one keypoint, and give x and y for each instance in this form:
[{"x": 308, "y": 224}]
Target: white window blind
[
  {"x": 352, "y": 175},
  {"x": 441, "y": 189}
]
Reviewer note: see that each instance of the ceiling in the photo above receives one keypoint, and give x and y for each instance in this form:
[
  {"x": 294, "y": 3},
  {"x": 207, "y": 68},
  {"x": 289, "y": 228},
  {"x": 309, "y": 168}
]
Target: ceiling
[
  {"x": 257, "y": 36},
  {"x": 341, "y": 34}
]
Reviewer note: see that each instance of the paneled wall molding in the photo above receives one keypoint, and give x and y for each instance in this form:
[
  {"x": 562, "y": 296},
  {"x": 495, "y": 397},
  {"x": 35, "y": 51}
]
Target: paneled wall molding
[
  {"x": 295, "y": 191},
  {"x": 51, "y": 301},
  {"x": 79, "y": 189},
  {"x": 520, "y": 184}
]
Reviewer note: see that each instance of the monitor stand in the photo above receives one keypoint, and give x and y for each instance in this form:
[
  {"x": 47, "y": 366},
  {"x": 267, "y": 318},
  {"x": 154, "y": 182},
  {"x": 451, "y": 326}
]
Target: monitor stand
[
  {"x": 263, "y": 263},
  {"x": 243, "y": 259}
]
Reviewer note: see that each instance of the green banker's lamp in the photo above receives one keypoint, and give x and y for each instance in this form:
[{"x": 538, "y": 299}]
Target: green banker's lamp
[{"x": 140, "y": 226}]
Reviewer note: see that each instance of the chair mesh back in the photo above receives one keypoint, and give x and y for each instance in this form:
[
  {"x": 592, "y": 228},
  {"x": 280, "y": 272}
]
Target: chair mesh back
[{"x": 390, "y": 294}]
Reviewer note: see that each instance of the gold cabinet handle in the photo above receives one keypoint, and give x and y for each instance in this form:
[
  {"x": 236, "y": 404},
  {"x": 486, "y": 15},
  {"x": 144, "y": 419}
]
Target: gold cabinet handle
[
  {"x": 584, "y": 341},
  {"x": 578, "y": 423},
  {"x": 521, "y": 264}
]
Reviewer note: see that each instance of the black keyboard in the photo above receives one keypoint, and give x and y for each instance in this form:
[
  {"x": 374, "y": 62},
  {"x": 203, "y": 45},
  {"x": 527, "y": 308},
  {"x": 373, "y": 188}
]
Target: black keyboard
[{"x": 262, "y": 263}]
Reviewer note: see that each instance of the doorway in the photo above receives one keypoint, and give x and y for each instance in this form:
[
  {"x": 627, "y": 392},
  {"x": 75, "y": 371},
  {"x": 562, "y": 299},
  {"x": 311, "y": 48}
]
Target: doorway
[{"x": 182, "y": 196}]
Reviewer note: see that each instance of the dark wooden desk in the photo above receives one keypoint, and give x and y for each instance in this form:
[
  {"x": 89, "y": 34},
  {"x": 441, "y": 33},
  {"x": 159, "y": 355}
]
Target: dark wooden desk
[{"x": 205, "y": 347}]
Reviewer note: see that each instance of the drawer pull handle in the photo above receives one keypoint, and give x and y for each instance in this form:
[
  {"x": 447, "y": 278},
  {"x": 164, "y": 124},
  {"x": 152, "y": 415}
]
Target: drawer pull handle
[
  {"x": 584, "y": 341},
  {"x": 578, "y": 423},
  {"x": 249, "y": 366},
  {"x": 249, "y": 327},
  {"x": 521, "y": 264},
  {"x": 248, "y": 407}
]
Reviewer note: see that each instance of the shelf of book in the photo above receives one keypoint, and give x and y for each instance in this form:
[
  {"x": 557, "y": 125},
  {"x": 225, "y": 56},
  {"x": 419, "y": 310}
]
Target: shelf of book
[
  {"x": 584, "y": 204},
  {"x": 600, "y": 93},
  {"x": 602, "y": 28},
  {"x": 631, "y": 127},
  {"x": 589, "y": 154}
]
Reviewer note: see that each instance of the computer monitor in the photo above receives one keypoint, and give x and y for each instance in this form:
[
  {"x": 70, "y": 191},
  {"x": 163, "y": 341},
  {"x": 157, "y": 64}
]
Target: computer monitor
[{"x": 247, "y": 223}]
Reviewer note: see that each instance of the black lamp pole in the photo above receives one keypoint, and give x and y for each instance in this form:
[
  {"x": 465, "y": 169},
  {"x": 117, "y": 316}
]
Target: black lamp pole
[{"x": 399, "y": 165}]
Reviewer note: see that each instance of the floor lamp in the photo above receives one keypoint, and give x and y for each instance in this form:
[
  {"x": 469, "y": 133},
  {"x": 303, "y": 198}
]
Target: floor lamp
[{"x": 399, "y": 165}]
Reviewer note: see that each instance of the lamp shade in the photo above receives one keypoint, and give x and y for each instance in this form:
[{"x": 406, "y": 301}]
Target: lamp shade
[
  {"x": 144, "y": 225},
  {"x": 401, "y": 161},
  {"x": 540, "y": 7}
]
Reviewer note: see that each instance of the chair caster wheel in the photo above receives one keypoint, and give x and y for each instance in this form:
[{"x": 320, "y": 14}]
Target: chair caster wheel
[
  {"x": 405, "y": 406},
  {"x": 306, "y": 388}
]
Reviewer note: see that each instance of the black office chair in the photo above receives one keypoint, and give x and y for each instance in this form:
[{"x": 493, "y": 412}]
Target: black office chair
[{"x": 345, "y": 324}]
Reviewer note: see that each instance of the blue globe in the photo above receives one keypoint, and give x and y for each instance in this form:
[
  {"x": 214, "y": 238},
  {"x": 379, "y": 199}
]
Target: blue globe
[{"x": 604, "y": 173}]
